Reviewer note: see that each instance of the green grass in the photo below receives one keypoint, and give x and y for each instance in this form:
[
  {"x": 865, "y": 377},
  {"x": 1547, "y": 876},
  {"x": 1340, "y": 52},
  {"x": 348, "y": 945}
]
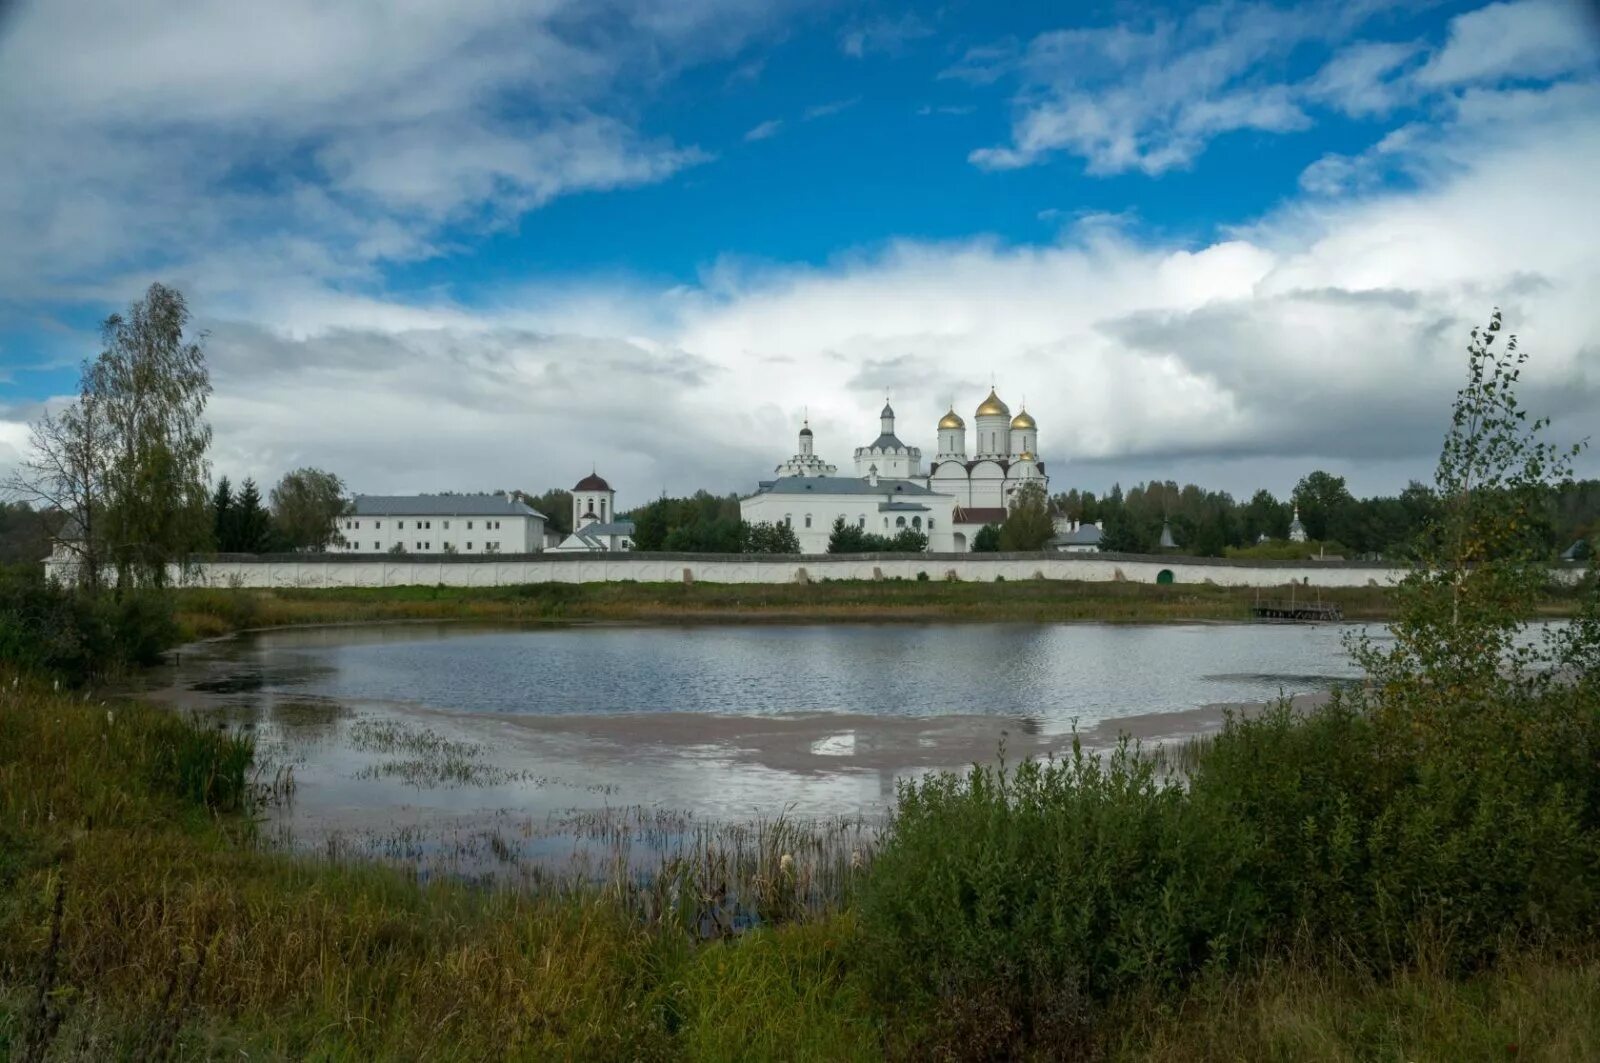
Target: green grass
[{"x": 205, "y": 613}]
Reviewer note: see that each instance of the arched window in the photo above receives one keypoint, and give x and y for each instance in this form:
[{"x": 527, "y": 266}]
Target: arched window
[
  {"x": 808, "y": 520},
  {"x": 916, "y": 522},
  {"x": 899, "y": 522},
  {"x": 788, "y": 520}
]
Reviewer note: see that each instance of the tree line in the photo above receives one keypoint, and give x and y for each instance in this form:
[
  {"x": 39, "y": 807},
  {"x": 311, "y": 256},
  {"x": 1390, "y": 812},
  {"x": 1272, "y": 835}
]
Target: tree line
[{"x": 1213, "y": 524}]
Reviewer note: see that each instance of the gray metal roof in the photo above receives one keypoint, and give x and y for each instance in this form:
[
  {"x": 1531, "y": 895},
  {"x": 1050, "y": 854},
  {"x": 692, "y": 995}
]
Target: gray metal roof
[
  {"x": 906, "y": 506},
  {"x": 440, "y": 506},
  {"x": 839, "y": 485},
  {"x": 1083, "y": 535},
  {"x": 886, "y": 441},
  {"x": 616, "y": 527}
]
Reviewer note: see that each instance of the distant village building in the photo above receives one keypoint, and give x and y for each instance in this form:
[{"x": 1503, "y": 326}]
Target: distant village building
[
  {"x": 890, "y": 492},
  {"x": 595, "y": 527},
  {"x": 440, "y": 524}
]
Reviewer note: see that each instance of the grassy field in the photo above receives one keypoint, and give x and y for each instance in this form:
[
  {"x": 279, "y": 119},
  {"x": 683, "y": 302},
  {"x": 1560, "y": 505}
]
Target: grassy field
[
  {"x": 213, "y": 612},
  {"x": 141, "y": 919}
]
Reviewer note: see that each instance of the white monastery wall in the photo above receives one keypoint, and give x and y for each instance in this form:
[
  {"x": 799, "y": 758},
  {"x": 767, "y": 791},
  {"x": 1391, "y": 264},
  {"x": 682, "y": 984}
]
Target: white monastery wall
[{"x": 334, "y": 570}]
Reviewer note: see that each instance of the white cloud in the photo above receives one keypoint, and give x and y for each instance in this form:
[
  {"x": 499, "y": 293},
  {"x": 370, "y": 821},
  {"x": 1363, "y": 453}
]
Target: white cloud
[
  {"x": 1361, "y": 79},
  {"x": 762, "y": 131},
  {"x": 143, "y": 136},
  {"x": 825, "y": 110},
  {"x": 1147, "y": 97},
  {"x": 884, "y": 36},
  {"x": 1524, "y": 39}
]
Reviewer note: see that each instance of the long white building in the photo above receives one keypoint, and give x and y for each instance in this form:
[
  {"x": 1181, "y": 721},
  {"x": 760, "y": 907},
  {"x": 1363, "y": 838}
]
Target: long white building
[
  {"x": 949, "y": 503},
  {"x": 440, "y": 524}
]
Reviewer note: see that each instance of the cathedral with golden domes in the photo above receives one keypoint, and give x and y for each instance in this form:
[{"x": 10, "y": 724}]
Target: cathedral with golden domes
[{"x": 960, "y": 491}]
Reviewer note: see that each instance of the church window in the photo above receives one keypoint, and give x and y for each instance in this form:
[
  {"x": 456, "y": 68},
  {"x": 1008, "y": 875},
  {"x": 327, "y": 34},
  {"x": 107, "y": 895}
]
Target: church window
[
  {"x": 376, "y": 546},
  {"x": 429, "y": 525},
  {"x": 899, "y": 522},
  {"x": 788, "y": 520},
  {"x": 602, "y": 509},
  {"x": 808, "y": 520},
  {"x": 446, "y": 525},
  {"x": 916, "y": 522},
  {"x": 469, "y": 546},
  {"x": 930, "y": 524},
  {"x": 862, "y": 523},
  {"x": 377, "y": 524}
]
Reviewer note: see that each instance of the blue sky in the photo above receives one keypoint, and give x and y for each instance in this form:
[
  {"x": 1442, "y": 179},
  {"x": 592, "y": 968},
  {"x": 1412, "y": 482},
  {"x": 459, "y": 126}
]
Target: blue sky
[{"x": 446, "y": 246}]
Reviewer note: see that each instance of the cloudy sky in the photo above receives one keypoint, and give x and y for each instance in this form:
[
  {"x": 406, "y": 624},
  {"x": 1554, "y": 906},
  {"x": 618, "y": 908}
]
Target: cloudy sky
[{"x": 484, "y": 243}]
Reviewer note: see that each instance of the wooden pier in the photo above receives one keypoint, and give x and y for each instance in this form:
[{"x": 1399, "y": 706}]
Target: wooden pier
[{"x": 1291, "y": 609}]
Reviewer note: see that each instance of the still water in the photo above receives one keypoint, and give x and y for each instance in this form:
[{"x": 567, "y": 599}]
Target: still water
[{"x": 407, "y": 739}]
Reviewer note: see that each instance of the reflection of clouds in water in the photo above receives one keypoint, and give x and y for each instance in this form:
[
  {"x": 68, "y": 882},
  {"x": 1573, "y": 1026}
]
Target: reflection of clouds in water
[
  {"x": 1049, "y": 673},
  {"x": 543, "y": 710}
]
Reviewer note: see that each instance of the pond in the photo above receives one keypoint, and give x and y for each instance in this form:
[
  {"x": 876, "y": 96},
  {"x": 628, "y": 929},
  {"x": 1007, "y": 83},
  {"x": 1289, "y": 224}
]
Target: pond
[{"x": 454, "y": 746}]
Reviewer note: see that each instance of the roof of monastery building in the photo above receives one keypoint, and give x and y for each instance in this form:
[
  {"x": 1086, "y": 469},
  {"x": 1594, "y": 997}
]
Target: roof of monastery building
[
  {"x": 592, "y": 482},
  {"x": 441, "y": 506},
  {"x": 839, "y": 485},
  {"x": 980, "y": 514}
]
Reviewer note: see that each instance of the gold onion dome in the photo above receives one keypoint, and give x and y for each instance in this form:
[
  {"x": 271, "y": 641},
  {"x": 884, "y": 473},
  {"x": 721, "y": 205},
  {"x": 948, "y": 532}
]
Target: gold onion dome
[
  {"x": 993, "y": 407},
  {"x": 1026, "y": 455},
  {"x": 1023, "y": 420},
  {"x": 952, "y": 420}
]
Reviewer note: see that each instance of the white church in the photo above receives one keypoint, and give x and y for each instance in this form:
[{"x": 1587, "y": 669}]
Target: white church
[{"x": 949, "y": 502}]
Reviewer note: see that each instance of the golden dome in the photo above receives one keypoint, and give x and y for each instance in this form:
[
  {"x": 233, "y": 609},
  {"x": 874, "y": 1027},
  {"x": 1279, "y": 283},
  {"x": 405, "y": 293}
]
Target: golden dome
[
  {"x": 993, "y": 407},
  {"x": 1026, "y": 455},
  {"x": 1023, "y": 420},
  {"x": 952, "y": 420}
]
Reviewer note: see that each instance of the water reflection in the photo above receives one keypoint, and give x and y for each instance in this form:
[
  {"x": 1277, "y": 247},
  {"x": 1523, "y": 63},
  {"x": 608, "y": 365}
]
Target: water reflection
[{"x": 432, "y": 743}]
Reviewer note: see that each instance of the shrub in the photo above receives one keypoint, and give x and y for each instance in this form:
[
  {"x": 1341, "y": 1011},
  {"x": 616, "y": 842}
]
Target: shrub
[
  {"x": 60, "y": 631},
  {"x": 1007, "y": 901}
]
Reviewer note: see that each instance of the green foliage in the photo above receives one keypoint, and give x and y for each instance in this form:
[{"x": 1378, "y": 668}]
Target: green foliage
[
  {"x": 74, "y": 635},
  {"x": 25, "y": 532},
  {"x": 306, "y": 506},
  {"x": 764, "y": 538},
  {"x": 701, "y": 524},
  {"x": 556, "y": 505},
  {"x": 848, "y": 538},
  {"x": 1460, "y": 638},
  {"x": 150, "y": 387},
  {"x": 1047, "y": 891},
  {"x": 987, "y": 540},
  {"x": 1028, "y": 526}
]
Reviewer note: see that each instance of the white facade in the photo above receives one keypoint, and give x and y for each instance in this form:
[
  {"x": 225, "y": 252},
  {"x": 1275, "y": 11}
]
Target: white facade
[
  {"x": 440, "y": 524},
  {"x": 810, "y": 504},
  {"x": 949, "y": 503}
]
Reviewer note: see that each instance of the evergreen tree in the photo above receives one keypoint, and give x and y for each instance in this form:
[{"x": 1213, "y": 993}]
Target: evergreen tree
[
  {"x": 987, "y": 541},
  {"x": 222, "y": 516},
  {"x": 252, "y": 526},
  {"x": 764, "y": 538}
]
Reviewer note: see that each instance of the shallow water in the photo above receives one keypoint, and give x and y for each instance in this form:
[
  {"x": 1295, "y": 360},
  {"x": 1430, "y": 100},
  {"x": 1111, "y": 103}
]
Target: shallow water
[{"x": 455, "y": 746}]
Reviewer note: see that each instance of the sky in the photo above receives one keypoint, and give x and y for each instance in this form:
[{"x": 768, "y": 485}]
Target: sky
[{"x": 486, "y": 244}]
